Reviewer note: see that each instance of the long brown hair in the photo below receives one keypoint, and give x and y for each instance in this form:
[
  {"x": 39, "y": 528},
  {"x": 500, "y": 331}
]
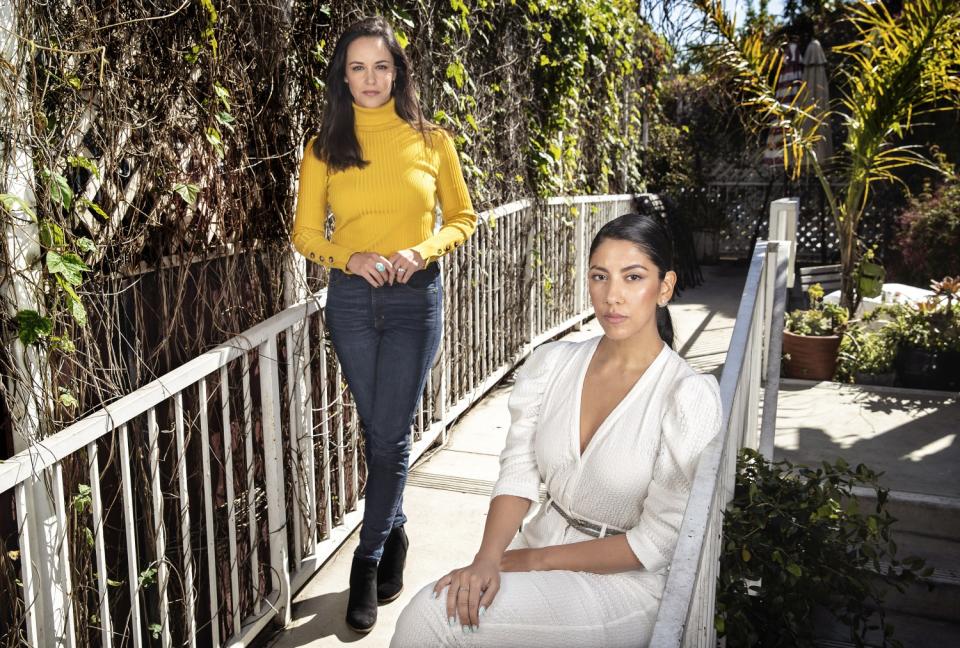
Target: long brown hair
[{"x": 337, "y": 144}]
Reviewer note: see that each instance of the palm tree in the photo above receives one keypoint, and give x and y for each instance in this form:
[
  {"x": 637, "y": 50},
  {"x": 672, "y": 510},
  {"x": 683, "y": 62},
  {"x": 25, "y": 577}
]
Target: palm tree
[{"x": 897, "y": 69}]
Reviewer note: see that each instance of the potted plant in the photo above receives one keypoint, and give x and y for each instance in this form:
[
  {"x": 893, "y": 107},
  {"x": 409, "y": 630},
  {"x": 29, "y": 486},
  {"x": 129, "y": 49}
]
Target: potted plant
[
  {"x": 867, "y": 356},
  {"x": 811, "y": 338},
  {"x": 928, "y": 338},
  {"x": 797, "y": 544}
]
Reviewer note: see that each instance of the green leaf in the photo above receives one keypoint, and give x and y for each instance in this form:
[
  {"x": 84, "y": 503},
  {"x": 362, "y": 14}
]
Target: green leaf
[
  {"x": 795, "y": 569},
  {"x": 85, "y": 245},
  {"x": 81, "y": 162},
  {"x": 88, "y": 536},
  {"x": 81, "y": 500},
  {"x": 457, "y": 72},
  {"x": 51, "y": 235},
  {"x": 155, "y": 630},
  {"x": 113, "y": 583},
  {"x": 215, "y": 137},
  {"x": 62, "y": 344},
  {"x": 13, "y": 203},
  {"x": 32, "y": 327},
  {"x": 60, "y": 190},
  {"x": 79, "y": 312},
  {"x": 147, "y": 577},
  {"x": 68, "y": 400},
  {"x": 69, "y": 266},
  {"x": 402, "y": 39},
  {"x": 745, "y": 554},
  {"x": 188, "y": 192},
  {"x": 89, "y": 204},
  {"x": 222, "y": 94},
  {"x": 225, "y": 119}
]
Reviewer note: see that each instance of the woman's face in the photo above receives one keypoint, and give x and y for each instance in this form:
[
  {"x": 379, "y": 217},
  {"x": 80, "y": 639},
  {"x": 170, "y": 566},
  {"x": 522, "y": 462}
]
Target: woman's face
[
  {"x": 370, "y": 71},
  {"x": 625, "y": 288}
]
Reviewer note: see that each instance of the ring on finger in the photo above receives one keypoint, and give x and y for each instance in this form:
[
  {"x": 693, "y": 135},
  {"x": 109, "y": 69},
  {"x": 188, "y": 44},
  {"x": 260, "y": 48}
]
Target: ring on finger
[
  {"x": 380, "y": 267},
  {"x": 401, "y": 270}
]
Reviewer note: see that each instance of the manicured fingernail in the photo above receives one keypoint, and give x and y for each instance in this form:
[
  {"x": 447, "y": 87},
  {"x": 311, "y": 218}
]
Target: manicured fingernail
[
  {"x": 433, "y": 594},
  {"x": 483, "y": 608},
  {"x": 463, "y": 629},
  {"x": 474, "y": 628}
]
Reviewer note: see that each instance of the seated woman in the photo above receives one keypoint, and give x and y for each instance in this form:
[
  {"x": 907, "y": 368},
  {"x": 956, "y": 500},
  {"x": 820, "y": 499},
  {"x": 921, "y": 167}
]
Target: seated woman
[{"x": 614, "y": 428}]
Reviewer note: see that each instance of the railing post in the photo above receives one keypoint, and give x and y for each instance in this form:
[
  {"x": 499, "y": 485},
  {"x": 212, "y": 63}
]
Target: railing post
[
  {"x": 784, "y": 217},
  {"x": 274, "y": 477},
  {"x": 580, "y": 256}
]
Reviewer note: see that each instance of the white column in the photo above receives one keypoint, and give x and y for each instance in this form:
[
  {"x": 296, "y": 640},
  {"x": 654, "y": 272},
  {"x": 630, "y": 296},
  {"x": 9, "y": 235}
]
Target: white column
[
  {"x": 25, "y": 382},
  {"x": 784, "y": 215}
]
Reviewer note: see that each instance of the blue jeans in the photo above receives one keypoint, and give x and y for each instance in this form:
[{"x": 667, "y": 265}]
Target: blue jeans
[{"x": 386, "y": 339}]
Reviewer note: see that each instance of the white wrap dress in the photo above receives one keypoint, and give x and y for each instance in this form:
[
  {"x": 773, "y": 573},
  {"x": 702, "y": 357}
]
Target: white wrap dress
[{"x": 634, "y": 476}]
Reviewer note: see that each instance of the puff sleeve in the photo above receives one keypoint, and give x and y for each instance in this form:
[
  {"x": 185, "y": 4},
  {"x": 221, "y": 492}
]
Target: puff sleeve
[
  {"x": 519, "y": 473},
  {"x": 691, "y": 422}
]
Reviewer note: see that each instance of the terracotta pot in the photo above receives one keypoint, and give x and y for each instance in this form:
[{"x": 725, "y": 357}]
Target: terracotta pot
[{"x": 811, "y": 357}]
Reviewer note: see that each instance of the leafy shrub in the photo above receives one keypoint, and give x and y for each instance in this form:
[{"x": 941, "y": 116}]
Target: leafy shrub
[
  {"x": 795, "y": 539},
  {"x": 865, "y": 351},
  {"x": 929, "y": 237},
  {"x": 933, "y": 325}
]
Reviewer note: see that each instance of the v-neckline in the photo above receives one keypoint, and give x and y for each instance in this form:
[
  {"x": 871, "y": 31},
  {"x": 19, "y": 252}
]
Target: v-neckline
[{"x": 612, "y": 415}]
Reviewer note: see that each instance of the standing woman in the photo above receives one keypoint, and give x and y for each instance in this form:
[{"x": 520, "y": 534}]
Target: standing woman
[{"x": 380, "y": 167}]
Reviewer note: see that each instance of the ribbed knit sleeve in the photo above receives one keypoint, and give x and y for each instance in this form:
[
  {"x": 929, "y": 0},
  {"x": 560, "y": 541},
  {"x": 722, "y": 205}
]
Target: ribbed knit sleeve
[
  {"x": 309, "y": 225},
  {"x": 519, "y": 475},
  {"x": 459, "y": 218},
  {"x": 692, "y": 420}
]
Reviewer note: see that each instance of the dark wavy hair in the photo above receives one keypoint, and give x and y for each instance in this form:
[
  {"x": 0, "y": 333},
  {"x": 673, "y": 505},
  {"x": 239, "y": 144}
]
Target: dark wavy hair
[
  {"x": 337, "y": 143},
  {"x": 650, "y": 235}
]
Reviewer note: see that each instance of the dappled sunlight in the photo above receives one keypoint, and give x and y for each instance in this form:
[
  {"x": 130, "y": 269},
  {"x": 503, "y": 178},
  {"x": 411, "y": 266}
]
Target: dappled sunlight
[
  {"x": 931, "y": 448},
  {"x": 907, "y": 435}
]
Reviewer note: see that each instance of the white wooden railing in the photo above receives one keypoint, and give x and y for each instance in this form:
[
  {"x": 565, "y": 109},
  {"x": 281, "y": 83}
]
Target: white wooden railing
[
  {"x": 213, "y": 493},
  {"x": 751, "y": 368}
]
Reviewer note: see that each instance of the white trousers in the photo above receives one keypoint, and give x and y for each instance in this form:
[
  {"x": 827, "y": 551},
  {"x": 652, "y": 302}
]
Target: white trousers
[{"x": 543, "y": 609}]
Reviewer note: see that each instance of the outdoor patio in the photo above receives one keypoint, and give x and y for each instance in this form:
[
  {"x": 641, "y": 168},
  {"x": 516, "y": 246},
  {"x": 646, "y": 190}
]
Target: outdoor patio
[{"x": 181, "y": 457}]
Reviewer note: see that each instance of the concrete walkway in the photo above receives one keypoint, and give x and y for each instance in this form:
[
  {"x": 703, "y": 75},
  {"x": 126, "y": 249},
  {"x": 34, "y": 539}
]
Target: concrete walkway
[
  {"x": 912, "y": 438},
  {"x": 910, "y": 435}
]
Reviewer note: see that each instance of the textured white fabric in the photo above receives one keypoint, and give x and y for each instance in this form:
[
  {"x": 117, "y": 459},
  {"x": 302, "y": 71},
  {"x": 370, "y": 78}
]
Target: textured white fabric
[{"x": 635, "y": 474}]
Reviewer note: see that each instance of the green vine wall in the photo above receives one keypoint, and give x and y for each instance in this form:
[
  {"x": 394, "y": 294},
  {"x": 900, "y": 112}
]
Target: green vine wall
[
  {"x": 165, "y": 137},
  {"x": 163, "y": 140}
]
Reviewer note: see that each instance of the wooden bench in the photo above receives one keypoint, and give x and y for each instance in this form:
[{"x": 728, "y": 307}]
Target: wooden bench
[{"x": 828, "y": 276}]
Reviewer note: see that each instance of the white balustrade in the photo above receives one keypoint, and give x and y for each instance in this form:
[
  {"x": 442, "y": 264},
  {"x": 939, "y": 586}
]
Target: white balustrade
[
  {"x": 274, "y": 472},
  {"x": 687, "y": 609}
]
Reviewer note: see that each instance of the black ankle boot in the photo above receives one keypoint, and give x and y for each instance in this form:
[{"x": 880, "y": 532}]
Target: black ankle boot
[
  {"x": 362, "y": 606},
  {"x": 390, "y": 571}
]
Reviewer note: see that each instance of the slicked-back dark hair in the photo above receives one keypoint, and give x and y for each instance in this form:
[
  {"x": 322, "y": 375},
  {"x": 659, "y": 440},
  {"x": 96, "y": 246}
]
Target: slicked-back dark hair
[
  {"x": 650, "y": 235},
  {"x": 337, "y": 143}
]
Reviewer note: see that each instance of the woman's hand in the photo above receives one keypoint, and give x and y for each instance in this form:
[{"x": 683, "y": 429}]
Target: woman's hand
[
  {"x": 364, "y": 264},
  {"x": 405, "y": 263},
  {"x": 522, "y": 560},
  {"x": 471, "y": 590}
]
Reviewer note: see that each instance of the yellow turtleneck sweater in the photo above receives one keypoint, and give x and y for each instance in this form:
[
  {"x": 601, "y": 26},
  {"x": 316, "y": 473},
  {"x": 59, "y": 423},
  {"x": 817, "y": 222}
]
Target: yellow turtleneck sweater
[{"x": 388, "y": 205}]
